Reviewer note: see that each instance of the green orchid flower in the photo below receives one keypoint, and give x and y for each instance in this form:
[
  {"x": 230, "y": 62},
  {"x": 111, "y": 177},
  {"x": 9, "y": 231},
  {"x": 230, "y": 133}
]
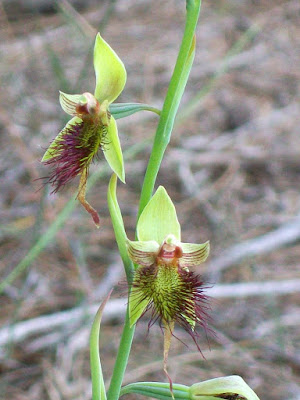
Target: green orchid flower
[
  {"x": 91, "y": 129},
  {"x": 228, "y": 387},
  {"x": 163, "y": 281}
]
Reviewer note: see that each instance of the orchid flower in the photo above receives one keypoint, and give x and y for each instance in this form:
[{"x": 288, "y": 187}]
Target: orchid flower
[
  {"x": 91, "y": 129},
  {"x": 163, "y": 281}
]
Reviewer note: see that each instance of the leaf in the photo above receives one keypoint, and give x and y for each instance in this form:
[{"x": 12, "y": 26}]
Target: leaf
[
  {"x": 157, "y": 390},
  {"x": 98, "y": 388},
  {"x": 118, "y": 225}
]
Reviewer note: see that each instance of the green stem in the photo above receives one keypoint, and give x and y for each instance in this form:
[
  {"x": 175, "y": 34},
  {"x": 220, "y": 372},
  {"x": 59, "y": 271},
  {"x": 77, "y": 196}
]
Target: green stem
[
  {"x": 128, "y": 332},
  {"x": 171, "y": 104},
  {"x": 162, "y": 138},
  {"x": 121, "y": 360}
]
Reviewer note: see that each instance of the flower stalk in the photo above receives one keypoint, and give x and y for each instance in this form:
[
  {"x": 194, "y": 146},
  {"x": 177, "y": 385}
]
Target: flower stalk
[
  {"x": 128, "y": 330},
  {"x": 161, "y": 140},
  {"x": 175, "y": 91}
]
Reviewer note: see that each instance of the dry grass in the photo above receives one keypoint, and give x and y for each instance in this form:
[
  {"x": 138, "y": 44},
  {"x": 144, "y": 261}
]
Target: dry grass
[{"x": 232, "y": 168}]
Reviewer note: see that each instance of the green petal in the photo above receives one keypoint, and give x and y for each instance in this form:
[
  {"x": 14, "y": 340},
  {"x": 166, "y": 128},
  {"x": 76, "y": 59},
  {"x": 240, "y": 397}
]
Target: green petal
[
  {"x": 143, "y": 253},
  {"x": 113, "y": 151},
  {"x": 193, "y": 254},
  {"x": 229, "y": 385},
  {"x": 158, "y": 219},
  {"x": 50, "y": 153},
  {"x": 136, "y": 305},
  {"x": 110, "y": 72},
  {"x": 69, "y": 102}
]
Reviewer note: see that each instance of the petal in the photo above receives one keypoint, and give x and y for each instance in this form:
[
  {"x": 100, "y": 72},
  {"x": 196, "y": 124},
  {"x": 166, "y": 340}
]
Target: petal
[
  {"x": 158, "y": 219},
  {"x": 193, "y": 254},
  {"x": 143, "y": 253},
  {"x": 69, "y": 102},
  {"x": 137, "y": 305},
  {"x": 110, "y": 72},
  {"x": 50, "y": 153},
  {"x": 112, "y": 150}
]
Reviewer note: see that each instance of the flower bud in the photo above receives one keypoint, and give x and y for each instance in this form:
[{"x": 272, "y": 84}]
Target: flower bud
[{"x": 228, "y": 387}]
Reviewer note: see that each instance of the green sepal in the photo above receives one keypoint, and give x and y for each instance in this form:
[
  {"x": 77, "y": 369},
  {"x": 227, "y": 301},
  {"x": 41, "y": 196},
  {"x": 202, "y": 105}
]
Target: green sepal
[
  {"x": 50, "y": 152},
  {"x": 112, "y": 150},
  {"x": 229, "y": 385},
  {"x": 158, "y": 219},
  {"x": 157, "y": 390},
  {"x": 110, "y": 72},
  {"x": 136, "y": 305},
  {"x": 121, "y": 110},
  {"x": 98, "y": 388}
]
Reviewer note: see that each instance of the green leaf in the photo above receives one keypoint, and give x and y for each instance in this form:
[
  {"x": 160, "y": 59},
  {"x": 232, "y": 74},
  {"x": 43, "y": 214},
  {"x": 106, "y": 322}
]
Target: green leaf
[
  {"x": 50, "y": 153},
  {"x": 218, "y": 388},
  {"x": 113, "y": 151},
  {"x": 157, "y": 390},
  {"x": 121, "y": 110},
  {"x": 118, "y": 225},
  {"x": 159, "y": 219},
  {"x": 98, "y": 388},
  {"x": 110, "y": 72}
]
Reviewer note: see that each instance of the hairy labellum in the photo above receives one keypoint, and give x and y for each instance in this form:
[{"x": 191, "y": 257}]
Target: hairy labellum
[
  {"x": 174, "y": 294},
  {"x": 75, "y": 150},
  {"x": 164, "y": 283}
]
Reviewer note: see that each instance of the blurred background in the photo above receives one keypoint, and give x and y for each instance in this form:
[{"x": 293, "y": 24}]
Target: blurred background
[{"x": 232, "y": 169}]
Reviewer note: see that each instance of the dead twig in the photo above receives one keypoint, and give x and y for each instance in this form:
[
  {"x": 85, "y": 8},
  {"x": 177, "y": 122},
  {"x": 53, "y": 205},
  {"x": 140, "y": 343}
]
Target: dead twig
[
  {"x": 286, "y": 234},
  {"x": 116, "y": 309}
]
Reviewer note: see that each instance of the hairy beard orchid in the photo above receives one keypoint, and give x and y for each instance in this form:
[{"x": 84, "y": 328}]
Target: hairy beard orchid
[
  {"x": 162, "y": 281},
  {"x": 91, "y": 129}
]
